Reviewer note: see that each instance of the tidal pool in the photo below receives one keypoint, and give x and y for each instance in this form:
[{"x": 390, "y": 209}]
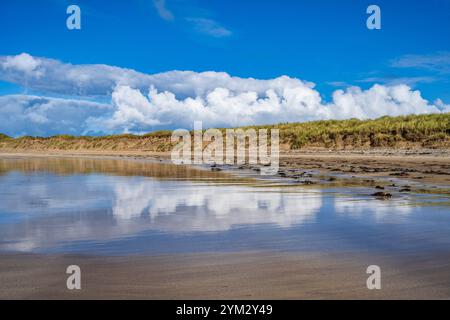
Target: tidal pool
[{"x": 117, "y": 207}]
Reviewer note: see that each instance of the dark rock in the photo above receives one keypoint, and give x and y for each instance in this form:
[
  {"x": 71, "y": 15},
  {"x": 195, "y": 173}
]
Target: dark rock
[
  {"x": 382, "y": 194},
  {"x": 399, "y": 174}
]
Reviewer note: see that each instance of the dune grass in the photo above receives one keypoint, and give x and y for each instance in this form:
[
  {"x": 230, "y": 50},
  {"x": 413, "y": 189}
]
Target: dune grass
[
  {"x": 425, "y": 130},
  {"x": 421, "y": 131},
  {"x": 4, "y": 136}
]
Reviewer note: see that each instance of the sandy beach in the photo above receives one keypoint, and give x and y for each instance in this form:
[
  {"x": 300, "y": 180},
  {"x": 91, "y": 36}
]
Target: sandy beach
[
  {"x": 245, "y": 275},
  {"x": 225, "y": 150},
  {"x": 427, "y": 168}
]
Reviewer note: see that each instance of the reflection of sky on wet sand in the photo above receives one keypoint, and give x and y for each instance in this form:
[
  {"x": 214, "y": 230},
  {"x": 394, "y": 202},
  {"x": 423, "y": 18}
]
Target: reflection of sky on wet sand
[
  {"x": 49, "y": 209},
  {"x": 97, "y": 213}
]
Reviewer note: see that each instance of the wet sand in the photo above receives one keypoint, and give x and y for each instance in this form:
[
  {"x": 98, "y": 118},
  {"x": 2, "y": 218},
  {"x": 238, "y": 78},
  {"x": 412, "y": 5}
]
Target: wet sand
[
  {"x": 429, "y": 169},
  {"x": 246, "y": 275}
]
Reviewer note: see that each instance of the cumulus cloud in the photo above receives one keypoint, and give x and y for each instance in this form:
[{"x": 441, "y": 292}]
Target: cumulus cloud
[
  {"x": 23, "y": 63},
  {"x": 442, "y": 106},
  {"x": 223, "y": 107},
  {"x": 41, "y": 116},
  {"x": 53, "y": 76},
  {"x": 378, "y": 101},
  {"x": 143, "y": 102},
  {"x": 101, "y": 80}
]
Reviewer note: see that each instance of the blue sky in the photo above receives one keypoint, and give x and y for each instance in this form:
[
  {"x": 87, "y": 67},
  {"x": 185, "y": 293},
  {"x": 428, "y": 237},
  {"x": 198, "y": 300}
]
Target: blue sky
[{"x": 324, "y": 41}]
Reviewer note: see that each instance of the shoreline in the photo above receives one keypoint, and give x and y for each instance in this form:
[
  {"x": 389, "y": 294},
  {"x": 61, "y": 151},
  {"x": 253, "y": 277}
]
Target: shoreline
[
  {"x": 410, "y": 152},
  {"x": 419, "y": 172}
]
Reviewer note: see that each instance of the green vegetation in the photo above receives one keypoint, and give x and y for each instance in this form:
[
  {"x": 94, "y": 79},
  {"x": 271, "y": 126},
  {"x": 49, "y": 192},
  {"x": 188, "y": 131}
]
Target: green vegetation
[
  {"x": 4, "y": 136},
  {"x": 429, "y": 131}
]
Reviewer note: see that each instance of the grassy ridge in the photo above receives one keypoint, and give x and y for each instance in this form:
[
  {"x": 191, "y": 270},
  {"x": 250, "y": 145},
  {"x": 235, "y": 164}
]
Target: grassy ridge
[
  {"x": 431, "y": 130},
  {"x": 414, "y": 131}
]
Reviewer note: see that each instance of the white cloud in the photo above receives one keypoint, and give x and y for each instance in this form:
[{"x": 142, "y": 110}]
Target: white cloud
[
  {"x": 64, "y": 78},
  {"x": 99, "y": 79},
  {"x": 22, "y": 63},
  {"x": 378, "y": 101},
  {"x": 410, "y": 81},
  {"x": 209, "y": 27},
  {"x": 142, "y": 102},
  {"x": 162, "y": 10},
  {"x": 203, "y": 25},
  {"x": 442, "y": 106},
  {"x": 34, "y": 115},
  {"x": 223, "y": 107},
  {"x": 439, "y": 62},
  {"x": 133, "y": 113}
]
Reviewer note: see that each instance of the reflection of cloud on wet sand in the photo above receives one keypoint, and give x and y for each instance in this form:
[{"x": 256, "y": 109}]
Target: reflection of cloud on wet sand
[
  {"x": 105, "y": 208},
  {"x": 211, "y": 208},
  {"x": 379, "y": 209}
]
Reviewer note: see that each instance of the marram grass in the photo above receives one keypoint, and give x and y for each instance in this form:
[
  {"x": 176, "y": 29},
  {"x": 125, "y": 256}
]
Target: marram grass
[{"x": 413, "y": 131}]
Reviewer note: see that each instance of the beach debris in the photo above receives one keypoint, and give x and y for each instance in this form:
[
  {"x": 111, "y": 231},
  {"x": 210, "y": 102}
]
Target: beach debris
[
  {"x": 282, "y": 173},
  {"x": 399, "y": 174},
  {"x": 382, "y": 194},
  {"x": 379, "y": 187}
]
